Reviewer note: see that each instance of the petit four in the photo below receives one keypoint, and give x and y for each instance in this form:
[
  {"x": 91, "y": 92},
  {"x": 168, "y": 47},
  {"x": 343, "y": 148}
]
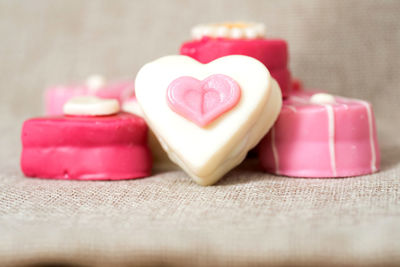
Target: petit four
[
  {"x": 93, "y": 141},
  {"x": 211, "y": 41},
  {"x": 208, "y": 116},
  {"x": 321, "y": 135}
]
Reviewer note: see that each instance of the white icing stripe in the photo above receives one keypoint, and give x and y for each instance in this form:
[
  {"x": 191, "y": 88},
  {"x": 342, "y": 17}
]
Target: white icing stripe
[
  {"x": 371, "y": 136},
  {"x": 331, "y": 136},
  {"x": 274, "y": 150}
]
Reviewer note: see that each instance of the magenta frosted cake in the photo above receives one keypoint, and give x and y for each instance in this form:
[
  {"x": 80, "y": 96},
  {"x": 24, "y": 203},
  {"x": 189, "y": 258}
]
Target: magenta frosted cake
[
  {"x": 86, "y": 144},
  {"x": 212, "y": 41}
]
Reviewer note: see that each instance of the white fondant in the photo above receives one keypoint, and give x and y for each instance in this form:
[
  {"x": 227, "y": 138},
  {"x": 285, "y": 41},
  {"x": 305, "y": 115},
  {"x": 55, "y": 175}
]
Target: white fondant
[
  {"x": 331, "y": 136},
  {"x": 322, "y": 98},
  {"x": 91, "y": 106},
  {"x": 206, "y": 154},
  {"x": 371, "y": 135},
  {"x": 229, "y": 30},
  {"x": 95, "y": 82}
]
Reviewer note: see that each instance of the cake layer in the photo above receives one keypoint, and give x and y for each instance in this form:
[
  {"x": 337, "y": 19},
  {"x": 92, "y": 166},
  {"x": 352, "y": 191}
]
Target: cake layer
[
  {"x": 273, "y": 53},
  {"x": 317, "y": 138}
]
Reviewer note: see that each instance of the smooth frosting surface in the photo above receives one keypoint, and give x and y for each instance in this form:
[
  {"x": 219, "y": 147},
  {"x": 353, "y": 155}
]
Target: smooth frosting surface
[
  {"x": 207, "y": 153},
  {"x": 86, "y": 148},
  {"x": 321, "y": 135}
]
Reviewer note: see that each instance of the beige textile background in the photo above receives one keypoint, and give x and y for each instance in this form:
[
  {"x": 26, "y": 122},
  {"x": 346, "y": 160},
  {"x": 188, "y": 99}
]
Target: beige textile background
[{"x": 350, "y": 48}]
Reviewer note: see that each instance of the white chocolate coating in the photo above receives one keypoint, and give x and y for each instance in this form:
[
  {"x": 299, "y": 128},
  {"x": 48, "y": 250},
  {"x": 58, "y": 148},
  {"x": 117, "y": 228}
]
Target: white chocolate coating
[
  {"x": 235, "y": 30},
  {"x": 208, "y": 153},
  {"x": 91, "y": 106}
]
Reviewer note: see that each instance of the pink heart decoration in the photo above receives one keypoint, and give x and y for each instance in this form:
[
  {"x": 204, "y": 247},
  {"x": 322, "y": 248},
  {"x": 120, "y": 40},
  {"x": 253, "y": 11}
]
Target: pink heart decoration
[{"x": 203, "y": 101}]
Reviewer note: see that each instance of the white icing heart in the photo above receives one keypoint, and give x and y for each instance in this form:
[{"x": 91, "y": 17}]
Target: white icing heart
[
  {"x": 91, "y": 106},
  {"x": 207, "y": 153}
]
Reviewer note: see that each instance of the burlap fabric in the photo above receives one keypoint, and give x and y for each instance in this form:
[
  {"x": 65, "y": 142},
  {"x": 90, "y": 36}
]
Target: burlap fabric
[{"x": 350, "y": 48}]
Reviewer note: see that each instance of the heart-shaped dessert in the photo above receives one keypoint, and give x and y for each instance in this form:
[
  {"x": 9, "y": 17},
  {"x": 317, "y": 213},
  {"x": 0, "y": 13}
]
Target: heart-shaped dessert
[{"x": 208, "y": 116}]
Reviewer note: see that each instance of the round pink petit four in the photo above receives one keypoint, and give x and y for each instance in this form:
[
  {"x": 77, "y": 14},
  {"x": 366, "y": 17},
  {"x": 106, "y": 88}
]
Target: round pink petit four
[
  {"x": 55, "y": 97},
  {"x": 107, "y": 145},
  {"x": 320, "y": 135},
  {"x": 217, "y": 40}
]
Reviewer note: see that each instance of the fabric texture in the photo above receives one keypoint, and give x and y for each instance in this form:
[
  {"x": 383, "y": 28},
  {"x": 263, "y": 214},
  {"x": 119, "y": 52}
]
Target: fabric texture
[{"x": 350, "y": 48}]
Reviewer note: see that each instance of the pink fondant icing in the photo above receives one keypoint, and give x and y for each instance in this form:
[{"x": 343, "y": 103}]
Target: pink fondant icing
[
  {"x": 321, "y": 140},
  {"x": 86, "y": 148},
  {"x": 56, "y": 97},
  {"x": 273, "y": 53},
  {"x": 203, "y": 101}
]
